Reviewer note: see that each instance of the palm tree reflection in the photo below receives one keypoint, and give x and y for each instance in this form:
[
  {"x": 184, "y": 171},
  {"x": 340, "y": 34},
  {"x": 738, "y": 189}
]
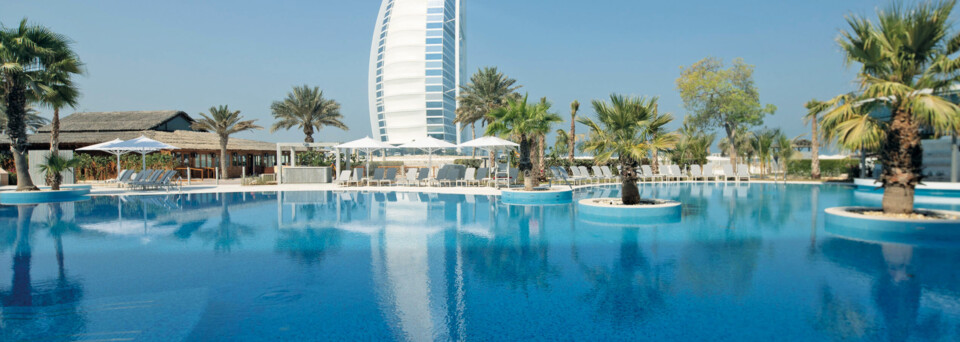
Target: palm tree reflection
[
  {"x": 309, "y": 246},
  {"x": 227, "y": 233},
  {"x": 512, "y": 257}
]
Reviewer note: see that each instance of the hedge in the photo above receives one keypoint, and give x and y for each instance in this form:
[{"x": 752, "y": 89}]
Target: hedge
[{"x": 828, "y": 167}]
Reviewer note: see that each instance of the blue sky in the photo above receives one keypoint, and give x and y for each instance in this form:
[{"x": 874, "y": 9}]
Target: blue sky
[{"x": 191, "y": 55}]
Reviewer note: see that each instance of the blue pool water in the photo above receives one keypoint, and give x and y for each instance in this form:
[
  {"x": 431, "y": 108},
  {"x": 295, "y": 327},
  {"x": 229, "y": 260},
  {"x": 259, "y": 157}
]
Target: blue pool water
[{"x": 745, "y": 262}]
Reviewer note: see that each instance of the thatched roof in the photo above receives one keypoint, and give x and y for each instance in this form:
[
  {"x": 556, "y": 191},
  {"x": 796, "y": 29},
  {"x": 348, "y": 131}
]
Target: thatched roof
[
  {"x": 802, "y": 143},
  {"x": 115, "y": 121},
  {"x": 187, "y": 140}
]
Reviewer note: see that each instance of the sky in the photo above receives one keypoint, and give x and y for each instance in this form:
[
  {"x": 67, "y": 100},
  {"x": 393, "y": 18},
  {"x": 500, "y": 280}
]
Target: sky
[{"x": 191, "y": 55}]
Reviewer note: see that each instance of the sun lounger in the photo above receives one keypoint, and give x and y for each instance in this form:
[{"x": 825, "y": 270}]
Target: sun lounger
[
  {"x": 389, "y": 177},
  {"x": 728, "y": 172},
  {"x": 743, "y": 172},
  {"x": 455, "y": 175},
  {"x": 675, "y": 169},
  {"x": 695, "y": 172},
  {"x": 647, "y": 173},
  {"x": 609, "y": 174},
  {"x": 478, "y": 176},
  {"x": 150, "y": 181},
  {"x": 122, "y": 177},
  {"x": 586, "y": 173},
  {"x": 423, "y": 176},
  {"x": 141, "y": 176},
  {"x": 377, "y": 177},
  {"x": 470, "y": 174},
  {"x": 343, "y": 179}
]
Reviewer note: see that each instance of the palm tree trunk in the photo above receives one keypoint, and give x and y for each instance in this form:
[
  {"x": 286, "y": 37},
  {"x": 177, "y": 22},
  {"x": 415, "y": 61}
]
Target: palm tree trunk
[
  {"x": 655, "y": 162},
  {"x": 541, "y": 157},
  {"x": 902, "y": 158},
  {"x": 223, "y": 157},
  {"x": 733, "y": 147},
  {"x": 473, "y": 132},
  {"x": 55, "y": 180},
  {"x": 573, "y": 134},
  {"x": 814, "y": 150},
  {"x": 16, "y": 101},
  {"x": 525, "y": 166},
  {"x": 629, "y": 193},
  {"x": 308, "y": 133}
]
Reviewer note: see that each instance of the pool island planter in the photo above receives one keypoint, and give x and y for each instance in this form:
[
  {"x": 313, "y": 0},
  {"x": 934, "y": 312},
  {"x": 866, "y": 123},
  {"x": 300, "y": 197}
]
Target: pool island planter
[
  {"x": 653, "y": 211},
  {"x": 537, "y": 197},
  {"x": 848, "y": 222},
  {"x": 67, "y": 193}
]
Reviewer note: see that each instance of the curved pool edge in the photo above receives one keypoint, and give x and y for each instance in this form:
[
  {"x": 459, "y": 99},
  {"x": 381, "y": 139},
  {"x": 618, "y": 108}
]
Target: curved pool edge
[
  {"x": 67, "y": 193},
  {"x": 549, "y": 196},
  {"x": 840, "y": 222},
  {"x": 667, "y": 212}
]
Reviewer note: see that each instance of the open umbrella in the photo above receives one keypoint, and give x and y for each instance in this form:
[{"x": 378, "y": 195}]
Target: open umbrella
[
  {"x": 143, "y": 146},
  {"x": 428, "y": 145},
  {"x": 366, "y": 145},
  {"x": 107, "y": 147},
  {"x": 492, "y": 144}
]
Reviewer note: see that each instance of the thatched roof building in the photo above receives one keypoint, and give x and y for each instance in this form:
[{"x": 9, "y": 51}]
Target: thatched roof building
[{"x": 196, "y": 149}]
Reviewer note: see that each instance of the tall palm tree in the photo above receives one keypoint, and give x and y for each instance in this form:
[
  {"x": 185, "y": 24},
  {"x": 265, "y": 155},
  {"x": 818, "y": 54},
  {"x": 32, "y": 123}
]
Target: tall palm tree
[
  {"x": 906, "y": 61},
  {"x": 31, "y": 119},
  {"x": 487, "y": 90},
  {"x": 620, "y": 130},
  {"x": 27, "y": 52},
  {"x": 57, "y": 90},
  {"x": 814, "y": 108},
  {"x": 306, "y": 108},
  {"x": 574, "y": 108},
  {"x": 656, "y": 128},
  {"x": 541, "y": 157},
  {"x": 524, "y": 122},
  {"x": 224, "y": 123}
]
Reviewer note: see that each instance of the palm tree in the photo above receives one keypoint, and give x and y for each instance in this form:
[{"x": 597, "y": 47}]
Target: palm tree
[
  {"x": 762, "y": 144},
  {"x": 783, "y": 149},
  {"x": 574, "y": 108},
  {"x": 57, "y": 90},
  {"x": 27, "y": 52},
  {"x": 54, "y": 166},
  {"x": 524, "y": 122},
  {"x": 224, "y": 123},
  {"x": 814, "y": 108},
  {"x": 31, "y": 119},
  {"x": 306, "y": 108},
  {"x": 487, "y": 90},
  {"x": 905, "y": 62},
  {"x": 621, "y": 131},
  {"x": 542, "y": 146},
  {"x": 656, "y": 128}
]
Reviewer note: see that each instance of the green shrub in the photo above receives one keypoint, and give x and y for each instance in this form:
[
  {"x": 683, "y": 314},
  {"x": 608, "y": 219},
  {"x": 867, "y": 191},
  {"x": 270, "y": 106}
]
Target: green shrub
[
  {"x": 315, "y": 158},
  {"x": 828, "y": 168},
  {"x": 474, "y": 163}
]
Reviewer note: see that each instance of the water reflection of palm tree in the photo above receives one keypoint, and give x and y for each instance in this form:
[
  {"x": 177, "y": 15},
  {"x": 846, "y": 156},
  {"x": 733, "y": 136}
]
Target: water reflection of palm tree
[
  {"x": 630, "y": 290},
  {"x": 227, "y": 234},
  {"x": 843, "y": 319},
  {"x": 59, "y": 303},
  {"x": 310, "y": 245},
  {"x": 512, "y": 257}
]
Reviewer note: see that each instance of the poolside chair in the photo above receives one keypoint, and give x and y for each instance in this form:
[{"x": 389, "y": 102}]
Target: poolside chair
[
  {"x": 408, "y": 178},
  {"x": 478, "y": 176},
  {"x": 647, "y": 173},
  {"x": 708, "y": 172},
  {"x": 151, "y": 178},
  {"x": 609, "y": 174},
  {"x": 389, "y": 177},
  {"x": 695, "y": 172},
  {"x": 576, "y": 175},
  {"x": 343, "y": 179},
  {"x": 743, "y": 172},
  {"x": 141, "y": 176},
  {"x": 122, "y": 177},
  {"x": 664, "y": 173},
  {"x": 423, "y": 176},
  {"x": 470, "y": 174},
  {"x": 728, "y": 172},
  {"x": 677, "y": 172},
  {"x": 454, "y": 173},
  {"x": 559, "y": 175},
  {"x": 599, "y": 174},
  {"x": 162, "y": 180},
  {"x": 440, "y": 175},
  {"x": 377, "y": 177},
  {"x": 586, "y": 173}
]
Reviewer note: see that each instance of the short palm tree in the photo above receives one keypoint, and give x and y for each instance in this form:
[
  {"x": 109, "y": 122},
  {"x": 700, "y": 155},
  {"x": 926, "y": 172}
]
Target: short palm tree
[
  {"x": 306, "y": 108},
  {"x": 523, "y": 122},
  {"x": 814, "y": 108},
  {"x": 487, "y": 90},
  {"x": 620, "y": 132},
  {"x": 659, "y": 138},
  {"x": 761, "y": 142},
  {"x": 27, "y": 52},
  {"x": 58, "y": 91},
  {"x": 53, "y": 166},
  {"x": 224, "y": 123},
  {"x": 906, "y": 61}
]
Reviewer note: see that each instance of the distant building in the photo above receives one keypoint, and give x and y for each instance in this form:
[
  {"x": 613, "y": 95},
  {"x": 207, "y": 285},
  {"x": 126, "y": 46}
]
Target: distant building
[
  {"x": 416, "y": 70},
  {"x": 198, "y": 150}
]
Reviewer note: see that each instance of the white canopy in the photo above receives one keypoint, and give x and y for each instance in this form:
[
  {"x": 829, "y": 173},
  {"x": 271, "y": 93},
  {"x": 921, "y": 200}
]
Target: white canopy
[
  {"x": 489, "y": 142},
  {"x": 107, "y": 147},
  {"x": 141, "y": 145},
  {"x": 430, "y": 145},
  {"x": 366, "y": 144}
]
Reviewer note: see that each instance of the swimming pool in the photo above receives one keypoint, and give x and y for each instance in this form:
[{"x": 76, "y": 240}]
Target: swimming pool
[{"x": 745, "y": 262}]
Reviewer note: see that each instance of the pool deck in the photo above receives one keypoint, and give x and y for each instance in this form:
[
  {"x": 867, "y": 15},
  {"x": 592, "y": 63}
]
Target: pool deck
[{"x": 102, "y": 189}]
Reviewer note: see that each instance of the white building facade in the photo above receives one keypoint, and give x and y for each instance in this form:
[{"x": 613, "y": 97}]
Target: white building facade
[{"x": 416, "y": 69}]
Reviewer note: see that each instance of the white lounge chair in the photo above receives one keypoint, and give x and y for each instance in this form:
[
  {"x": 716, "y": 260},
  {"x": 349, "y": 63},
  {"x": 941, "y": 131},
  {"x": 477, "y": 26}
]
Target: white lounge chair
[
  {"x": 343, "y": 179},
  {"x": 743, "y": 172},
  {"x": 609, "y": 174},
  {"x": 586, "y": 174},
  {"x": 695, "y": 172},
  {"x": 675, "y": 169},
  {"x": 470, "y": 174},
  {"x": 728, "y": 172}
]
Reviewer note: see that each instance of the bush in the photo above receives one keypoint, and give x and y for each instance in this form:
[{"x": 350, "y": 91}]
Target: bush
[
  {"x": 474, "y": 163},
  {"x": 828, "y": 168},
  {"x": 315, "y": 158}
]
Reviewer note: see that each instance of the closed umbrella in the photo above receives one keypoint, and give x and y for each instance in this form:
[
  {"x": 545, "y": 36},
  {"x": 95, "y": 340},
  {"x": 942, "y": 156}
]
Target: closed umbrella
[{"x": 428, "y": 145}]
